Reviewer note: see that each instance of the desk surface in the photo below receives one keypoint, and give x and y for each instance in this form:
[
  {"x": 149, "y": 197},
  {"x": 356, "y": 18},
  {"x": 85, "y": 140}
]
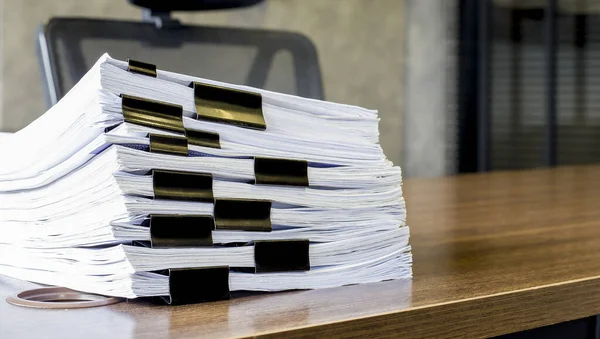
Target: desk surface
[{"x": 493, "y": 254}]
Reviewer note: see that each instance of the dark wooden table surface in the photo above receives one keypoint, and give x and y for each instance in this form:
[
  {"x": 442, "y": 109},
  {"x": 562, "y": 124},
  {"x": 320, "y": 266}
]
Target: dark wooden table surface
[{"x": 493, "y": 254}]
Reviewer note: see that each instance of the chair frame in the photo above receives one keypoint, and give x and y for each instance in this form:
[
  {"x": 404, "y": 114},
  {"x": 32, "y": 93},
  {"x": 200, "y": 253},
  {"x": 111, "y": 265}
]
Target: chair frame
[{"x": 304, "y": 52}]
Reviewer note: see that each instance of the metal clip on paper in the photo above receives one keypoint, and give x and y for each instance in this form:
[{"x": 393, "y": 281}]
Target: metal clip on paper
[
  {"x": 154, "y": 114},
  {"x": 140, "y": 67},
  {"x": 201, "y": 138},
  {"x": 281, "y": 172},
  {"x": 281, "y": 255},
  {"x": 242, "y": 215},
  {"x": 176, "y": 145},
  {"x": 228, "y": 105},
  {"x": 195, "y": 285},
  {"x": 187, "y": 186},
  {"x": 181, "y": 230},
  {"x": 168, "y": 144}
]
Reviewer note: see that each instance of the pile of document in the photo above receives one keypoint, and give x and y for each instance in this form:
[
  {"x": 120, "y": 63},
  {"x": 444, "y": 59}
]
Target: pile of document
[{"x": 143, "y": 183}]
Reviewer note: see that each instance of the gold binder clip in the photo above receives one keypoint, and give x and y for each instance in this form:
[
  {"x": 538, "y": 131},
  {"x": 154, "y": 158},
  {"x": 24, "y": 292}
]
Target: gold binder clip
[
  {"x": 202, "y": 138},
  {"x": 154, "y": 114},
  {"x": 281, "y": 172},
  {"x": 168, "y": 144},
  {"x": 181, "y": 230},
  {"x": 281, "y": 255},
  {"x": 194, "y": 285},
  {"x": 229, "y": 106},
  {"x": 140, "y": 67},
  {"x": 243, "y": 215},
  {"x": 189, "y": 186}
]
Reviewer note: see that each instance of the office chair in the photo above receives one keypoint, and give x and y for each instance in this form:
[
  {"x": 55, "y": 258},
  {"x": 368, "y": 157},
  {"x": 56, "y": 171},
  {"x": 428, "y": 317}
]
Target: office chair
[{"x": 275, "y": 60}]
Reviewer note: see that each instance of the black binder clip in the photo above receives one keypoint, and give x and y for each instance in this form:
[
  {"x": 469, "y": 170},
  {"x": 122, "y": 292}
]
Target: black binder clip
[
  {"x": 227, "y": 105},
  {"x": 243, "y": 215},
  {"x": 281, "y": 172},
  {"x": 181, "y": 230},
  {"x": 140, "y": 67},
  {"x": 202, "y": 138},
  {"x": 195, "y": 285},
  {"x": 168, "y": 144},
  {"x": 281, "y": 255},
  {"x": 150, "y": 113},
  {"x": 188, "y": 186}
]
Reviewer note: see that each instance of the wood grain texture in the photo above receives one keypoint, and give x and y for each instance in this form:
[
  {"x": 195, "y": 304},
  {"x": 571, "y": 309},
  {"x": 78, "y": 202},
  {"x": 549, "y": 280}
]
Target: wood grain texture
[{"x": 493, "y": 254}]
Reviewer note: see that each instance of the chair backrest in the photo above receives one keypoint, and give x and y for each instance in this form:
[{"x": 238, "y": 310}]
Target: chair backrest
[
  {"x": 192, "y": 5},
  {"x": 274, "y": 60}
]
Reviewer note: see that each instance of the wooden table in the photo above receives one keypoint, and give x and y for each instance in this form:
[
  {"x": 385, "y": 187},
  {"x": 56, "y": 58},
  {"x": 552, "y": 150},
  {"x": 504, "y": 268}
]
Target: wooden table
[{"x": 493, "y": 254}]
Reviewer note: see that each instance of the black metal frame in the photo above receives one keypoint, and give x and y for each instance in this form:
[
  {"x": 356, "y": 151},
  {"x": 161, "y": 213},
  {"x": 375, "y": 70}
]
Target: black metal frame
[
  {"x": 468, "y": 86},
  {"x": 483, "y": 104},
  {"x": 474, "y": 135},
  {"x": 172, "y": 34},
  {"x": 551, "y": 56}
]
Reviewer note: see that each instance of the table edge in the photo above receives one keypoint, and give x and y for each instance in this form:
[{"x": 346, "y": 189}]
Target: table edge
[{"x": 505, "y": 312}]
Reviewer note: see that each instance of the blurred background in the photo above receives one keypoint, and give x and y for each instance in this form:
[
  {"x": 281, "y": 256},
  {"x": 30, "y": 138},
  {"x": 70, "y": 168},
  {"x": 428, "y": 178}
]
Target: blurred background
[{"x": 460, "y": 85}]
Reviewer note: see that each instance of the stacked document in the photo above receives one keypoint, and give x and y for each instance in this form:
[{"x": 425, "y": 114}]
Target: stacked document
[{"x": 143, "y": 183}]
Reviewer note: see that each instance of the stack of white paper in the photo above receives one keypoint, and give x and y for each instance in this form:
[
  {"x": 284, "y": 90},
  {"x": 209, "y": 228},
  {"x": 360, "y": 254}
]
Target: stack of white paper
[{"x": 126, "y": 177}]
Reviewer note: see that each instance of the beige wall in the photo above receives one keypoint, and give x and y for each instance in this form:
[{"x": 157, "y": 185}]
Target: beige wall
[
  {"x": 360, "y": 44},
  {"x": 430, "y": 117}
]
